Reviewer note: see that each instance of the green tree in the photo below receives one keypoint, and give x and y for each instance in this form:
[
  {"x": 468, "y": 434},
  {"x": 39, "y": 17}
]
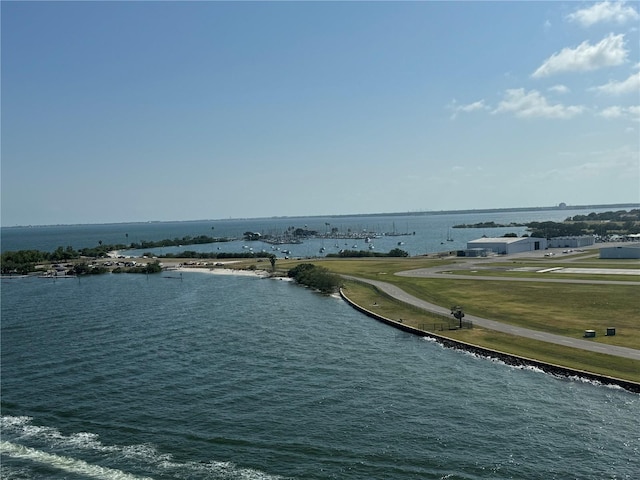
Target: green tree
[
  {"x": 397, "y": 252},
  {"x": 457, "y": 313},
  {"x": 315, "y": 277}
]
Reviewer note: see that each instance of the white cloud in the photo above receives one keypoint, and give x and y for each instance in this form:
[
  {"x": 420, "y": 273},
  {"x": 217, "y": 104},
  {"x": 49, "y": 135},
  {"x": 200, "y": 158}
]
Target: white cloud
[
  {"x": 616, "y": 111},
  {"x": 608, "y": 52},
  {"x": 612, "y": 112},
  {"x": 532, "y": 104},
  {"x": 471, "y": 107},
  {"x": 559, "y": 89},
  {"x": 630, "y": 85},
  {"x": 610, "y": 12}
]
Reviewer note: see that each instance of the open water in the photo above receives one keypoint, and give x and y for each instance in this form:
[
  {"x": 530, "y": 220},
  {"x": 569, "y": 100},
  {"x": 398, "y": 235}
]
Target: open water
[{"x": 231, "y": 377}]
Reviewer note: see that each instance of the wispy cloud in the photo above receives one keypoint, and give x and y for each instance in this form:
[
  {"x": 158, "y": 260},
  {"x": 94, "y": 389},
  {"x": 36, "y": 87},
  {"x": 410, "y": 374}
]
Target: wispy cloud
[
  {"x": 630, "y": 85},
  {"x": 609, "y": 52},
  {"x": 470, "y": 107},
  {"x": 559, "y": 89},
  {"x": 533, "y": 104},
  {"x": 604, "y": 12}
]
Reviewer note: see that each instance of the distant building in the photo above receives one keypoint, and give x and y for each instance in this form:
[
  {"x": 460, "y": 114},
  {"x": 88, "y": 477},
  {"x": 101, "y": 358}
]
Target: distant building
[
  {"x": 572, "y": 242},
  {"x": 631, "y": 250},
  {"x": 508, "y": 245}
]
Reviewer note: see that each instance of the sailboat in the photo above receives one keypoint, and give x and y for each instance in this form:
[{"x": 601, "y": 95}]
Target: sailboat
[{"x": 449, "y": 237}]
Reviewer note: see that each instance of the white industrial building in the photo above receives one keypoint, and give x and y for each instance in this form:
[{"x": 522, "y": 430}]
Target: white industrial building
[
  {"x": 572, "y": 242},
  {"x": 631, "y": 250},
  {"x": 508, "y": 245}
]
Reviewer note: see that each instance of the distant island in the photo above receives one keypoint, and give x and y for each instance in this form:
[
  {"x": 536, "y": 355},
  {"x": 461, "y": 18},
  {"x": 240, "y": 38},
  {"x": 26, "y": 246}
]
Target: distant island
[
  {"x": 620, "y": 222},
  {"x": 489, "y": 225}
]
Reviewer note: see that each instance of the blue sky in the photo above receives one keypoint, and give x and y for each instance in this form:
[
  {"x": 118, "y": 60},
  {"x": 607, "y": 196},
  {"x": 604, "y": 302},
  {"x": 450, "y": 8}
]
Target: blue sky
[{"x": 137, "y": 111}]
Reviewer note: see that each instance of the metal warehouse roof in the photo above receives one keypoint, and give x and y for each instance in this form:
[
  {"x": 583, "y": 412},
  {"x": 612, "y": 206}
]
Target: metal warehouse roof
[{"x": 499, "y": 240}]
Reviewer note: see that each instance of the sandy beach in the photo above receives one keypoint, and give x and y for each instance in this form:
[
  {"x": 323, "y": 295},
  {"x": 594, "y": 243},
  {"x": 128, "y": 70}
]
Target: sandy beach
[{"x": 223, "y": 271}]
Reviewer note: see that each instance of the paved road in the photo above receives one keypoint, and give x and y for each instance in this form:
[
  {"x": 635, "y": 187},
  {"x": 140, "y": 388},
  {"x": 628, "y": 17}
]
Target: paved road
[
  {"x": 400, "y": 294},
  {"x": 447, "y": 272},
  {"x": 485, "y": 264}
]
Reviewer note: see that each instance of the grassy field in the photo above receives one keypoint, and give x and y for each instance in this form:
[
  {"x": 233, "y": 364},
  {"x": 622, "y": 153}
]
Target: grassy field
[
  {"x": 370, "y": 298},
  {"x": 564, "y": 309}
]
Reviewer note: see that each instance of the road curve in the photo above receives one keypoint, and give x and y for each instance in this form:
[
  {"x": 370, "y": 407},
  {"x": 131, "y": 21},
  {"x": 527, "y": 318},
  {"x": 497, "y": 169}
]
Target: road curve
[{"x": 403, "y": 296}]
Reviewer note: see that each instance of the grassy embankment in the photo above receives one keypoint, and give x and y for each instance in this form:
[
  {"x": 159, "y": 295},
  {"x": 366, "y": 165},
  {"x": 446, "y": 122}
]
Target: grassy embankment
[{"x": 563, "y": 309}]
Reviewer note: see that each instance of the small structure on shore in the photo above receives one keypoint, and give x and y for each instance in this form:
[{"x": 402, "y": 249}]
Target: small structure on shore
[
  {"x": 507, "y": 245},
  {"x": 577, "y": 241}
]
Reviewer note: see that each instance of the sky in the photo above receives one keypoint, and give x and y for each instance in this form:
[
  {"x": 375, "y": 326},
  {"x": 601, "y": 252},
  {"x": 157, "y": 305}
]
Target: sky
[{"x": 154, "y": 111}]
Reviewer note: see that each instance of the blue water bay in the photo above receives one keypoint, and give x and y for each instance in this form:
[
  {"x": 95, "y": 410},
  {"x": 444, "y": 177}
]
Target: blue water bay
[{"x": 229, "y": 377}]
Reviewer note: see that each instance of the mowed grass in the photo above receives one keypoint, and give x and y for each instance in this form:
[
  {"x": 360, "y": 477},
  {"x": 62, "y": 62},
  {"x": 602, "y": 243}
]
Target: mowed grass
[
  {"x": 369, "y": 297},
  {"x": 561, "y": 308}
]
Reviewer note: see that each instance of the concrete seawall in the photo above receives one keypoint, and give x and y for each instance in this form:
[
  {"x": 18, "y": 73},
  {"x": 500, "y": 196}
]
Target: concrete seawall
[{"x": 507, "y": 358}]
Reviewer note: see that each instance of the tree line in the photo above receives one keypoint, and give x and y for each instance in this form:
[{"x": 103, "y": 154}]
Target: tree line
[
  {"x": 396, "y": 252},
  {"x": 617, "y": 216},
  {"x": 177, "y": 242},
  {"x": 621, "y": 222},
  {"x": 314, "y": 276},
  {"x": 571, "y": 229}
]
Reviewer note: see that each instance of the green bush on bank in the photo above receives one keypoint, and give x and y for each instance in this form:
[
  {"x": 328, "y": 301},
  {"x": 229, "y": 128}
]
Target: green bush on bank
[
  {"x": 154, "y": 267},
  {"x": 214, "y": 255},
  {"x": 315, "y": 277},
  {"x": 396, "y": 252},
  {"x": 86, "y": 269}
]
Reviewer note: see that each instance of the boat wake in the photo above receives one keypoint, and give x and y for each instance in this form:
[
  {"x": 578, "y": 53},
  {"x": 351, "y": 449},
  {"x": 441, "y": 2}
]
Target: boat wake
[{"x": 62, "y": 453}]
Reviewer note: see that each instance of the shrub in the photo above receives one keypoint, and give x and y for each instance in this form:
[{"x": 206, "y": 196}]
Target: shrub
[{"x": 315, "y": 277}]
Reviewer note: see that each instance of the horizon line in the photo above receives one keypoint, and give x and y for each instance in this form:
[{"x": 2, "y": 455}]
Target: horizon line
[{"x": 561, "y": 206}]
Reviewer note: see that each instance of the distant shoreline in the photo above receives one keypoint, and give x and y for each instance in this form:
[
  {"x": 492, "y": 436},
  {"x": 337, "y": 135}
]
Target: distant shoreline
[
  {"x": 364, "y": 215},
  {"x": 490, "y": 210}
]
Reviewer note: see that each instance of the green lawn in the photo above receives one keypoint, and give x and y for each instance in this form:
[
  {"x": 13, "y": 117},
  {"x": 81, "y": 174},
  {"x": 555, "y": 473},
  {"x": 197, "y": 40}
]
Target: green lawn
[{"x": 370, "y": 298}]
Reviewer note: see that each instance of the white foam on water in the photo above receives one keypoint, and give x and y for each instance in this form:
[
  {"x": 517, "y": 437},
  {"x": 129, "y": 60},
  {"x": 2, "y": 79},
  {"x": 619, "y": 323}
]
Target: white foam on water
[
  {"x": 67, "y": 464},
  {"x": 430, "y": 339},
  {"x": 21, "y": 428},
  {"x": 222, "y": 470},
  {"x": 597, "y": 383}
]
